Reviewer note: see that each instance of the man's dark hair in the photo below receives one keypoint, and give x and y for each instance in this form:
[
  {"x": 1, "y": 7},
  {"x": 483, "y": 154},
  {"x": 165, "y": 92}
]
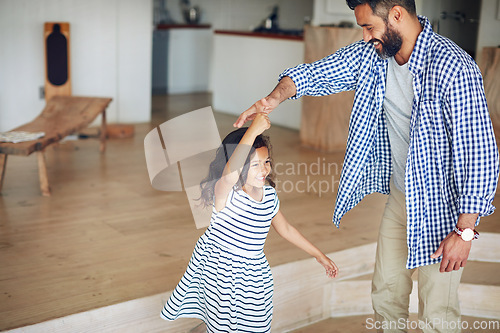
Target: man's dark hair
[{"x": 381, "y": 7}]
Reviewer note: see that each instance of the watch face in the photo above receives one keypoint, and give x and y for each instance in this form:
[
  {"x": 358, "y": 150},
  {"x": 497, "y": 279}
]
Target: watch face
[{"x": 467, "y": 234}]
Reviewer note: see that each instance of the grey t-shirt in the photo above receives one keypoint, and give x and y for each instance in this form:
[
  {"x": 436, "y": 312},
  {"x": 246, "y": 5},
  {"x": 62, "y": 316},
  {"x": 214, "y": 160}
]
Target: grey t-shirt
[{"x": 397, "y": 105}]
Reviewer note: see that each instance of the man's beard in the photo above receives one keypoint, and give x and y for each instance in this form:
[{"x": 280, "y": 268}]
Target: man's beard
[{"x": 390, "y": 41}]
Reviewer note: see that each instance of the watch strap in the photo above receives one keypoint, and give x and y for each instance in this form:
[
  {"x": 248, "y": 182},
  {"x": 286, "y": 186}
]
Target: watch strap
[{"x": 459, "y": 231}]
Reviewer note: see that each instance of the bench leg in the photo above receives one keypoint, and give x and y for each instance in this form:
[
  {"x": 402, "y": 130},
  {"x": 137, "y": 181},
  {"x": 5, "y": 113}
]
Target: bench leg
[
  {"x": 3, "y": 164},
  {"x": 42, "y": 174},
  {"x": 103, "y": 132}
]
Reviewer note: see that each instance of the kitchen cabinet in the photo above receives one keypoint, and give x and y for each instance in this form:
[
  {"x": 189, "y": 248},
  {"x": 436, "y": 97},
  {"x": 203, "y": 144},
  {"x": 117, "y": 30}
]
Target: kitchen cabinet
[{"x": 181, "y": 58}]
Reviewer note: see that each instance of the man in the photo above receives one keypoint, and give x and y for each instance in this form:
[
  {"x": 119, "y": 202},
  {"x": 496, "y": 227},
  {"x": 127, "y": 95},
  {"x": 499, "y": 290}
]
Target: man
[{"x": 420, "y": 131}]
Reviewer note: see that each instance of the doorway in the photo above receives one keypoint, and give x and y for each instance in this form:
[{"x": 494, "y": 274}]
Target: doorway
[{"x": 459, "y": 21}]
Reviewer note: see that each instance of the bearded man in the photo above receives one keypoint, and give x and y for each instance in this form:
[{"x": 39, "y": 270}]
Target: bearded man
[{"x": 419, "y": 131}]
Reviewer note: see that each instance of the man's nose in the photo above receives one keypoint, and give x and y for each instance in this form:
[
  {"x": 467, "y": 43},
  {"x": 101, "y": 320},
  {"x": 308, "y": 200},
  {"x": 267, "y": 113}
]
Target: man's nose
[{"x": 366, "y": 35}]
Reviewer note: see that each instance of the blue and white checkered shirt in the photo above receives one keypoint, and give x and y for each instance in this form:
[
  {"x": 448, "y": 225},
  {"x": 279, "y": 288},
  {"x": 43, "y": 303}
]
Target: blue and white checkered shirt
[{"x": 452, "y": 164}]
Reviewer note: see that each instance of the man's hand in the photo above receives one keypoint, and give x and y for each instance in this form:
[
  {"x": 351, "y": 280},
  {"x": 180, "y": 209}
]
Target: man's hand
[
  {"x": 455, "y": 252},
  {"x": 454, "y": 249},
  {"x": 265, "y": 105},
  {"x": 284, "y": 90}
]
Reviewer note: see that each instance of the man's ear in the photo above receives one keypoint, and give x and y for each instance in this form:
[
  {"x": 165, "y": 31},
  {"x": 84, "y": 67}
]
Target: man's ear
[{"x": 396, "y": 14}]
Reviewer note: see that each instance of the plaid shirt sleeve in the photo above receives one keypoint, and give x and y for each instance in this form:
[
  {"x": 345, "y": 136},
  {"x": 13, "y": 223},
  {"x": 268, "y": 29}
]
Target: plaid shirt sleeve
[
  {"x": 332, "y": 74},
  {"x": 474, "y": 149}
]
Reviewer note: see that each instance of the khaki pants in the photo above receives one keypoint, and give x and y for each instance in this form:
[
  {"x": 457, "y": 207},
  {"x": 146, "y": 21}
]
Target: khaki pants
[{"x": 438, "y": 309}]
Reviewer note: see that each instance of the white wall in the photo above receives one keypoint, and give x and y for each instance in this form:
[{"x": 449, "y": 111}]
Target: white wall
[
  {"x": 134, "y": 35},
  {"x": 110, "y": 50},
  {"x": 331, "y": 12},
  {"x": 335, "y": 11},
  {"x": 244, "y": 14}
]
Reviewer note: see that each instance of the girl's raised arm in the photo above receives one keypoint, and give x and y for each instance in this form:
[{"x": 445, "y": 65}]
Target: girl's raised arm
[{"x": 233, "y": 168}]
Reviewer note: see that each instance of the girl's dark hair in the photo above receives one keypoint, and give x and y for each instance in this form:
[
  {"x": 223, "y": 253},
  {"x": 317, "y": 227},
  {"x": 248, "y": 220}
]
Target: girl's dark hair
[
  {"x": 381, "y": 7},
  {"x": 224, "y": 152}
]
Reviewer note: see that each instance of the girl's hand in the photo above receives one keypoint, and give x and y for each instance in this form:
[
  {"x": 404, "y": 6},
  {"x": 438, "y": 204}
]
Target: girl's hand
[
  {"x": 260, "y": 123},
  {"x": 265, "y": 105},
  {"x": 329, "y": 265}
]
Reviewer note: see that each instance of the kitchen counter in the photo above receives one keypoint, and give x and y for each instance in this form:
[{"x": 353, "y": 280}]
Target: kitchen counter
[
  {"x": 182, "y": 26},
  {"x": 181, "y": 58},
  {"x": 276, "y": 35}
]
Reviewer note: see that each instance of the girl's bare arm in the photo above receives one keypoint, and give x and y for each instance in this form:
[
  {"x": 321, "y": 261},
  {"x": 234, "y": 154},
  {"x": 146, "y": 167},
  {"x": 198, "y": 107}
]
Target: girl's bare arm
[{"x": 291, "y": 234}]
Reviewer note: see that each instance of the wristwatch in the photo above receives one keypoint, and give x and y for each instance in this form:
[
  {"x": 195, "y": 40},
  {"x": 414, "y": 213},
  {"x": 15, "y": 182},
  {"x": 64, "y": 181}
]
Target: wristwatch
[{"x": 466, "y": 234}]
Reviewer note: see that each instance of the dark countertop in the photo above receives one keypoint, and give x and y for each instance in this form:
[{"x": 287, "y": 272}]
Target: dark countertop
[
  {"x": 182, "y": 26},
  {"x": 275, "y": 35}
]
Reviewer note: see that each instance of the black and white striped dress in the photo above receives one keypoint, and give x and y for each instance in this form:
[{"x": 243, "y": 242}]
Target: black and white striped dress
[{"x": 228, "y": 282}]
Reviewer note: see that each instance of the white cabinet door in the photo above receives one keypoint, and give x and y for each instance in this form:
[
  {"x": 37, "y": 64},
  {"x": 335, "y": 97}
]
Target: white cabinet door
[{"x": 189, "y": 52}]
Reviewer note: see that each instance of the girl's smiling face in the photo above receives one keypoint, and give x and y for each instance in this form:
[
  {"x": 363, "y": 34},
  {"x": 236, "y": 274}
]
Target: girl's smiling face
[{"x": 260, "y": 167}]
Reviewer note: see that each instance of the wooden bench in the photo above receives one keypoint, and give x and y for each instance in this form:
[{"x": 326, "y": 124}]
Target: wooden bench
[{"x": 62, "y": 116}]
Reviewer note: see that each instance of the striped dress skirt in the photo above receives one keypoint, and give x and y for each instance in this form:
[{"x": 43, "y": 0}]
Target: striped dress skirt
[{"x": 230, "y": 288}]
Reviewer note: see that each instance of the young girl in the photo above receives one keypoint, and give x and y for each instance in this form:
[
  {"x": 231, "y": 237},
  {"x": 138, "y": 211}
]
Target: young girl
[{"x": 228, "y": 282}]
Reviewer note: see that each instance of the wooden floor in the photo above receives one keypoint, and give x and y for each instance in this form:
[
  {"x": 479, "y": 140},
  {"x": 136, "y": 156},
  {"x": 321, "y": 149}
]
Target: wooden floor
[
  {"x": 106, "y": 236},
  {"x": 366, "y": 324}
]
